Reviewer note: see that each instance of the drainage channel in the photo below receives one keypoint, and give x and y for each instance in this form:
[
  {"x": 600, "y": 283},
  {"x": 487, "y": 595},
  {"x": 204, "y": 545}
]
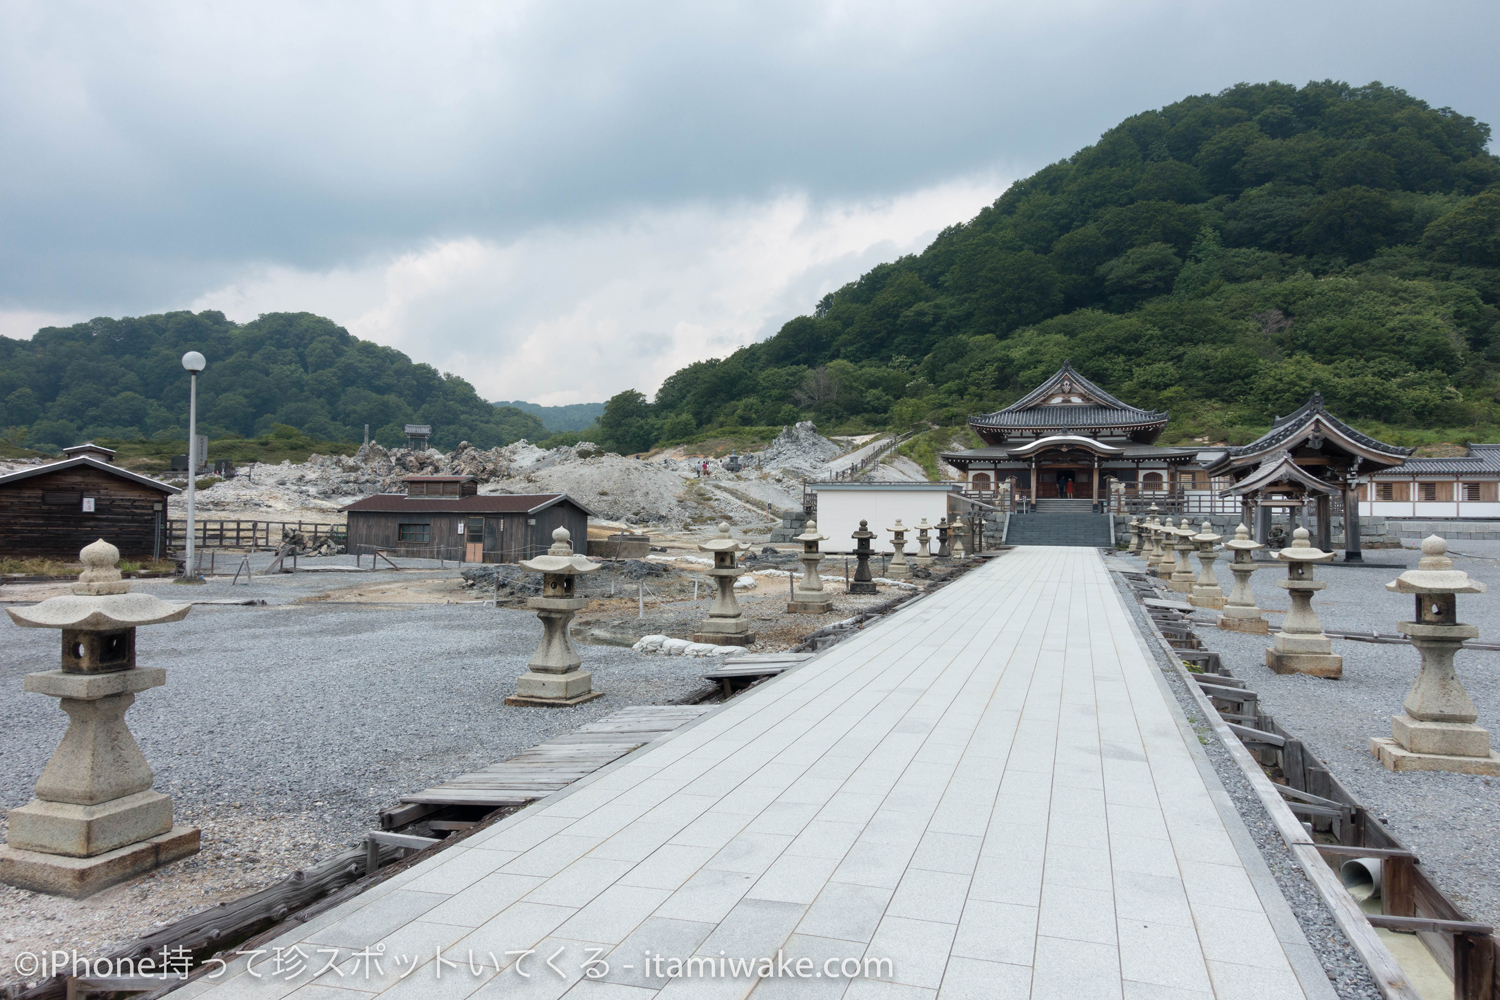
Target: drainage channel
[{"x": 1414, "y": 940}]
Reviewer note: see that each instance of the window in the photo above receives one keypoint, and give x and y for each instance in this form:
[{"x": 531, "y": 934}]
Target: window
[
  {"x": 63, "y": 498},
  {"x": 1151, "y": 481},
  {"x": 1427, "y": 492},
  {"x": 980, "y": 481},
  {"x": 476, "y": 530},
  {"x": 1385, "y": 491},
  {"x": 1470, "y": 492},
  {"x": 414, "y": 532}
]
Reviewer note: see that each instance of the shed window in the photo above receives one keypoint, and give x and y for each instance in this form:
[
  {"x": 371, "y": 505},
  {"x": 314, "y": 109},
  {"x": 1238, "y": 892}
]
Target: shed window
[
  {"x": 1471, "y": 492},
  {"x": 476, "y": 530},
  {"x": 414, "y": 532},
  {"x": 1427, "y": 492},
  {"x": 63, "y": 498},
  {"x": 1385, "y": 491}
]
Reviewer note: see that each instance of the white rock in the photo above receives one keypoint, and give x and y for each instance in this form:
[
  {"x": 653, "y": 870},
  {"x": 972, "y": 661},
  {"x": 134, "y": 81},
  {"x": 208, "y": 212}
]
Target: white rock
[{"x": 649, "y": 643}]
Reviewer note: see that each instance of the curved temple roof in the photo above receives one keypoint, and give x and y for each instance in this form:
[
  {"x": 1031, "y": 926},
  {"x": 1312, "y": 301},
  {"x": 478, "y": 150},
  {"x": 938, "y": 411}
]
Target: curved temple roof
[
  {"x": 1069, "y": 402},
  {"x": 1310, "y": 422}
]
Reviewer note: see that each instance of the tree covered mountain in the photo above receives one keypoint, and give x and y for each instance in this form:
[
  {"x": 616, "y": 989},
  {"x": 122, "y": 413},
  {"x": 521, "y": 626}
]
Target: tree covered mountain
[
  {"x": 123, "y": 379},
  {"x": 1222, "y": 257},
  {"x": 568, "y": 417}
]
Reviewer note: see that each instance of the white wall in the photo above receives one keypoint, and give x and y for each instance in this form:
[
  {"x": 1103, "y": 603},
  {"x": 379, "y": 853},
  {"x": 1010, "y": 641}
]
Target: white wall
[
  {"x": 840, "y": 511},
  {"x": 1407, "y": 508}
]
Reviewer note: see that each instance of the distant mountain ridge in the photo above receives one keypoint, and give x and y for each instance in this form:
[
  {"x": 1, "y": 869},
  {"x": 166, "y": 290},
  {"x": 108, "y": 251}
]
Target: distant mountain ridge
[
  {"x": 122, "y": 379},
  {"x": 572, "y": 417}
]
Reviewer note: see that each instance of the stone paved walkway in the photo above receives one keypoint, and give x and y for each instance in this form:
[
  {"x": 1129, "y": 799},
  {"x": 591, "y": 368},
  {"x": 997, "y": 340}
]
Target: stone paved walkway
[{"x": 991, "y": 789}]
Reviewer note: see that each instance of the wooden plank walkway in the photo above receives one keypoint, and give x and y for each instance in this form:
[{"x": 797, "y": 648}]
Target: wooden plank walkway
[
  {"x": 989, "y": 794},
  {"x": 552, "y": 766}
]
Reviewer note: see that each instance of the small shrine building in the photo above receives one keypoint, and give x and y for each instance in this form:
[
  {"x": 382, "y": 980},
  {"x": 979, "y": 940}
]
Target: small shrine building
[{"x": 1066, "y": 432}]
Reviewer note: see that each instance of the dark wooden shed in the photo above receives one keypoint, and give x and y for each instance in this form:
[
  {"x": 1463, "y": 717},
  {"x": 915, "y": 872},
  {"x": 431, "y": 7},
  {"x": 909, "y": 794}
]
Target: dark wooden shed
[
  {"x": 54, "y": 510},
  {"x": 444, "y": 517}
]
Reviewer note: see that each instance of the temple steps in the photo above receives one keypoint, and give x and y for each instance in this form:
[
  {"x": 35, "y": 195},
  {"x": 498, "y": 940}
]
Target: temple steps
[
  {"x": 1054, "y": 506},
  {"x": 1059, "y": 527}
]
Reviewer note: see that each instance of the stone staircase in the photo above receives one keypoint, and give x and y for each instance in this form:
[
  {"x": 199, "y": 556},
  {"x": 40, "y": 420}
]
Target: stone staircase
[
  {"x": 1051, "y": 526},
  {"x": 1065, "y": 506}
]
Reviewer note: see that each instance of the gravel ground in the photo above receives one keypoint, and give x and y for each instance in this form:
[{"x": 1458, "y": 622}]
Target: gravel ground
[
  {"x": 1345, "y": 970},
  {"x": 1452, "y": 821},
  {"x": 284, "y": 729}
]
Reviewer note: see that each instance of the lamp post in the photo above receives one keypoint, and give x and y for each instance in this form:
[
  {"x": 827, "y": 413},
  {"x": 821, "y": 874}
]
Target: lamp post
[{"x": 194, "y": 363}]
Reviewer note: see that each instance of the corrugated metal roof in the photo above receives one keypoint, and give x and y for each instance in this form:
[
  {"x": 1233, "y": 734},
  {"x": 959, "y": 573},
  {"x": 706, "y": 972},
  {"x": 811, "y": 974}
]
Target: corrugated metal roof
[{"x": 499, "y": 503}]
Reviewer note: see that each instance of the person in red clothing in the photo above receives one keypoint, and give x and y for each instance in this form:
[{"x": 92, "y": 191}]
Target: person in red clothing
[{"x": 1070, "y": 489}]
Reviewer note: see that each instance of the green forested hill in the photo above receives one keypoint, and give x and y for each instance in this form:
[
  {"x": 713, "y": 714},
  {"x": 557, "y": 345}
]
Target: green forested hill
[
  {"x": 122, "y": 379},
  {"x": 1222, "y": 257}
]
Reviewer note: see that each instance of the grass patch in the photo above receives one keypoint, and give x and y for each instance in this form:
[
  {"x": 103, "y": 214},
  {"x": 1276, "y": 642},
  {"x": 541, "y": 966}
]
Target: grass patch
[{"x": 924, "y": 448}]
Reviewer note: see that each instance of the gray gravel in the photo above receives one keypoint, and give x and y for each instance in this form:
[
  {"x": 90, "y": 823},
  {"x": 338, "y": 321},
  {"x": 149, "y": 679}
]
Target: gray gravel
[
  {"x": 1341, "y": 963},
  {"x": 331, "y": 710},
  {"x": 1452, "y": 821}
]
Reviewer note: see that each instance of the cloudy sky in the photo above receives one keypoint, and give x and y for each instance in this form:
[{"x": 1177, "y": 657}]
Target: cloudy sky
[{"x": 561, "y": 200}]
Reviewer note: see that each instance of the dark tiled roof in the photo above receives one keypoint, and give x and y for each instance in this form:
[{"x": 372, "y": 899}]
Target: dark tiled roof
[
  {"x": 1130, "y": 453},
  {"x": 1107, "y": 411},
  {"x": 1482, "y": 458},
  {"x": 437, "y": 479},
  {"x": 1284, "y": 429},
  {"x": 509, "y": 503}
]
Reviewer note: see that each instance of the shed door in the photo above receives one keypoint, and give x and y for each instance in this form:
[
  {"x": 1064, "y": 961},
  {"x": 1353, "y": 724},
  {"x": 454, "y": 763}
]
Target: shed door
[
  {"x": 474, "y": 540},
  {"x": 494, "y": 539}
]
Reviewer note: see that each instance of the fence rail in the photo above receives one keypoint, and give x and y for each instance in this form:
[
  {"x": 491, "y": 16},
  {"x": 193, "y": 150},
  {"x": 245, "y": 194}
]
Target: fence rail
[{"x": 251, "y": 535}]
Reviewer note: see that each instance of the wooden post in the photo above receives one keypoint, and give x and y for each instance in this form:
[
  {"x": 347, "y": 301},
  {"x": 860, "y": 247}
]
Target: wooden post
[
  {"x": 1473, "y": 967},
  {"x": 1397, "y": 888}
]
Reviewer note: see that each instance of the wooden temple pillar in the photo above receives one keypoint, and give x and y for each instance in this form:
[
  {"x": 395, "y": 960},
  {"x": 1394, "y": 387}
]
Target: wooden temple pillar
[
  {"x": 1324, "y": 506},
  {"x": 1352, "y": 550}
]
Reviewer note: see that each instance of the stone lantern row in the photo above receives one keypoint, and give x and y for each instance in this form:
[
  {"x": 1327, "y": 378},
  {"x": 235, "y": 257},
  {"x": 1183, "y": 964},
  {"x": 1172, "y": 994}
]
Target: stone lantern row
[{"x": 1437, "y": 731}]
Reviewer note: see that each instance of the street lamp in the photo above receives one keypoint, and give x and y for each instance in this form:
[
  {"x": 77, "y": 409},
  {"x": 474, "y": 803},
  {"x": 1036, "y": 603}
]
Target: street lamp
[{"x": 194, "y": 363}]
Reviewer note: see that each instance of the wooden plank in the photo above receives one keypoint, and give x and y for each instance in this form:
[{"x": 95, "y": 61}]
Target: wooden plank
[
  {"x": 1245, "y": 733},
  {"x": 1429, "y": 924}
]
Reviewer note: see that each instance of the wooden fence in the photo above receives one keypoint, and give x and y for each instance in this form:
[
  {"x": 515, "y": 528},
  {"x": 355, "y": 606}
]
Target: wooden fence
[{"x": 250, "y": 536}]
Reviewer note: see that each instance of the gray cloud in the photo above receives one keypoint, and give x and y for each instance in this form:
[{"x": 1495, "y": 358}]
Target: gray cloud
[{"x": 156, "y": 152}]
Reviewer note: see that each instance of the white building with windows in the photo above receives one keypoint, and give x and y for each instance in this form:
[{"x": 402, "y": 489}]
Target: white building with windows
[{"x": 1464, "y": 487}]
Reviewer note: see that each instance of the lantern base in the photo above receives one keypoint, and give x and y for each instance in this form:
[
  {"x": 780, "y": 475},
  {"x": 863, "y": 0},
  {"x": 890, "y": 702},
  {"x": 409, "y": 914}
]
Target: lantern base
[
  {"x": 1457, "y": 739},
  {"x": 862, "y": 588},
  {"x": 1397, "y": 758},
  {"x": 1254, "y": 625},
  {"x": 79, "y": 831},
  {"x": 1204, "y": 598},
  {"x": 811, "y": 606},
  {"x": 80, "y": 877},
  {"x": 553, "y": 689},
  {"x": 1329, "y": 665},
  {"x": 522, "y": 701},
  {"x": 723, "y": 639}
]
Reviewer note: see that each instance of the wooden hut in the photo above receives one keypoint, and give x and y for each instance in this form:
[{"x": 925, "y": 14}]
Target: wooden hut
[
  {"x": 54, "y": 510},
  {"x": 445, "y": 517}
]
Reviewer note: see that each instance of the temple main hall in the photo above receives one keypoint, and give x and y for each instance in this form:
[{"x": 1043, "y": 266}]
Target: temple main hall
[{"x": 1066, "y": 433}]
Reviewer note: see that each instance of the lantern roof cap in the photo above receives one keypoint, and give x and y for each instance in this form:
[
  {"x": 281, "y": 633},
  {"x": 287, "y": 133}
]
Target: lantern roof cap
[
  {"x": 1242, "y": 540},
  {"x": 1435, "y": 573},
  {"x": 1303, "y": 551},
  {"x": 723, "y": 542},
  {"x": 560, "y": 558}
]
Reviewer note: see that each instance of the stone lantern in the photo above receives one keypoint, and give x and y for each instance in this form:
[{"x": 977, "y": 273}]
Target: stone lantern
[
  {"x": 1150, "y": 547},
  {"x": 1183, "y": 578},
  {"x": 863, "y": 582},
  {"x": 1437, "y": 730},
  {"x": 1166, "y": 536},
  {"x": 897, "y": 569},
  {"x": 944, "y": 550},
  {"x": 1206, "y": 591},
  {"x": 553, "y": 678},
  {"x": 956, "y": 532},
  {"x": 924, "y": 539},
  {"x": 810, "y": 598},
  {"x": 95, "y": 820},
  {"x": 1240, "y": 613},
  {"x": 1301, "y": 647},
  {"x": 726, "y": 624},
  {"x": 1135, "y": 535}
]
